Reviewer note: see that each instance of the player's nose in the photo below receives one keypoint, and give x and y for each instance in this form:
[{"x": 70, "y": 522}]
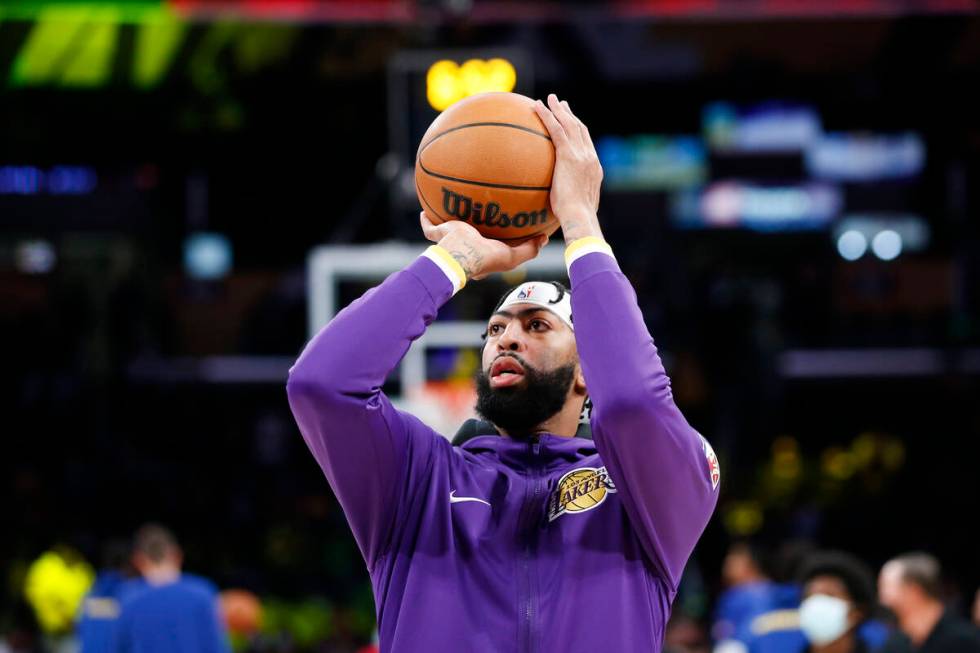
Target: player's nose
[{"x": 512, "y": 339}]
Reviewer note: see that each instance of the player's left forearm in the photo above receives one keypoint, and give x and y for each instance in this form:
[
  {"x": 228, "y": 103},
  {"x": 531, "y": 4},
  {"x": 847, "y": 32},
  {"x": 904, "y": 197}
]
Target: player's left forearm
[
  {"x": 618, "y": 355},
  {"x": 660, "y": 464},
  {"x": 579, "y": 224}
]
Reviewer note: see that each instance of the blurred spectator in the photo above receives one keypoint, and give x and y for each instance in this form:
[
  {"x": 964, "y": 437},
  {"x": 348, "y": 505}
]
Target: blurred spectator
[
  {"x": 976, "y": 609},
  {"x": 751, "y": 594},
  {"x": 173, "y": 612},
  {"x": 685, "y": 635},
  {"x": 910, "y": 586},
  {"x": 838, "y": 599},
  {"x": 100, "y": 609}
]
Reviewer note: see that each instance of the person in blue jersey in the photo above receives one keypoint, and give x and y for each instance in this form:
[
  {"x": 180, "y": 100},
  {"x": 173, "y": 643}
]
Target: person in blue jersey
[
  {"x": 752, "y": 597},
  {"x": 100, "y": 609},
  {"x": 174, "y": 612},
  {"x": 834, "y": 615}
]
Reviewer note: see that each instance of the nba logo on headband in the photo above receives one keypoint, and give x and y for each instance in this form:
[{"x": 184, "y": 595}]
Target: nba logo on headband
[{"x": 545, "y": 295}]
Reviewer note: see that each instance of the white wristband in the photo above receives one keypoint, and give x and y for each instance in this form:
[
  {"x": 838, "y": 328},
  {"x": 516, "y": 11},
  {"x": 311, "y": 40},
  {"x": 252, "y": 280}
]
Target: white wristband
[
  {"x": 588, "y": 245},
  {"x": 449, "y": 266}
]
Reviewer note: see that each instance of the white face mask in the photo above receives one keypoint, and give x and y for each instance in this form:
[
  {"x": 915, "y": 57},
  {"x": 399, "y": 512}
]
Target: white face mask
[{"x": 823, "y": 618}]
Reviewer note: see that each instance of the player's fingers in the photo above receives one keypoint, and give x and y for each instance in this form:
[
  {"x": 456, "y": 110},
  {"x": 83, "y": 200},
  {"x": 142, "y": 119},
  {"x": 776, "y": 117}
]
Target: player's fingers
[
  {"x": 587, "y": 137},
  {"x": 432, "y": 231},
  {"x": 564, "y": 116},
  {"x": 558, "y": 136},
  {"x": 527, "y": 250},
  {"x": 583, "y": 131}
]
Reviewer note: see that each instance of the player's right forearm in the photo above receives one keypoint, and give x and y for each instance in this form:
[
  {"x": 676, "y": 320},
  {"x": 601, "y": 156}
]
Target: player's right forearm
[
  {"x": 352, "y": 355},
  {"x": 365, "y": 447},
  {"x": 348, "y": 361}
]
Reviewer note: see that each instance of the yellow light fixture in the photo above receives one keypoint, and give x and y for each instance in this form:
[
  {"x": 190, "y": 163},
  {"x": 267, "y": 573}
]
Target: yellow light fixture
[{"x": 447, "y": 82}]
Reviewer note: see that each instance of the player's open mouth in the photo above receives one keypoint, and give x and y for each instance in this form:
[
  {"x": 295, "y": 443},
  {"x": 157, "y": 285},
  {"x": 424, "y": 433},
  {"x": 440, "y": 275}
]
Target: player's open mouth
[{"x": 505, "y": 371}]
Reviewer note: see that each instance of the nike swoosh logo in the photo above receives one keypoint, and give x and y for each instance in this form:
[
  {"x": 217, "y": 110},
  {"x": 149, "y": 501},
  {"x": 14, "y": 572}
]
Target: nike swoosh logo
[{"x": 455, "y": 499}]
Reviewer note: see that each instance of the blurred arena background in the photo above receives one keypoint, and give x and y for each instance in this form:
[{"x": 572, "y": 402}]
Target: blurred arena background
[{"x": 188, "y": 188}]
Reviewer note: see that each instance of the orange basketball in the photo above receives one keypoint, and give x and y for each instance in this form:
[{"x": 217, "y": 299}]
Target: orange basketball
[
  {"x": 488, "y": 160},
  {"x": 241, "y": 610}
]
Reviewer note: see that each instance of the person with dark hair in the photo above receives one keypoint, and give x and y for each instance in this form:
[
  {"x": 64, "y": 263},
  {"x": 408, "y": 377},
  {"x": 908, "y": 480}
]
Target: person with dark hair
[
  {"x": 173, "y": 612},
  {"x": 750, "y": 593},
  {"x": 910, "y": 585},
  {"x": 100, "y": 609},
  {"x": 838, "y": 599},
  {"x": 527, "y": 537},
  {"x": 832, "y": 602}
]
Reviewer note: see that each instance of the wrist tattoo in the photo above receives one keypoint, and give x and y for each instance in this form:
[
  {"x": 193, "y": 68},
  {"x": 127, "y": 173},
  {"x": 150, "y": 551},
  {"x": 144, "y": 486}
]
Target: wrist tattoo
[
  {"x": 470, "y": 260},
  {"x": 576, "y": 229}
]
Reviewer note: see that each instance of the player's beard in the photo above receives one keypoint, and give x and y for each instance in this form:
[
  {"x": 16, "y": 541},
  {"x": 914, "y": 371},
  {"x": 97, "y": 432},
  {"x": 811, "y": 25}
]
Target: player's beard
[{"x": 518, "y": 409}]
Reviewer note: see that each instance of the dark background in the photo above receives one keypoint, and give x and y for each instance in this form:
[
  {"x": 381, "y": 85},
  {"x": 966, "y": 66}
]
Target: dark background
[{"x": 106, "y": 424}]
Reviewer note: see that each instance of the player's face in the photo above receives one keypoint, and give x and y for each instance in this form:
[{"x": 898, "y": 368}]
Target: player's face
[
  {"x": 530, "y": 364},
  {"x": 525, "y": 336}
]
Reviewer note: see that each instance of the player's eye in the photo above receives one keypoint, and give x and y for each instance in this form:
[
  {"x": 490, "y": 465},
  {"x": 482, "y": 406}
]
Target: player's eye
[
  {"x": 538, "y": 325},
  {"x": 494, "y": 329}
]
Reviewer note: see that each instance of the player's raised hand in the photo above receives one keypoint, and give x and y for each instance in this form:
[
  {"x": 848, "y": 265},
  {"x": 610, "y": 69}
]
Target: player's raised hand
[
  {"x": 479, "y": 256},
  {"x": 578, "y": 174}
]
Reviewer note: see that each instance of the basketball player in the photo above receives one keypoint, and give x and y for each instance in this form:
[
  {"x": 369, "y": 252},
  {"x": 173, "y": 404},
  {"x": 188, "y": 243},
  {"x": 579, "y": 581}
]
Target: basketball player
[
  {"x": 525, "y": 538},
  {"x": 172, "y": 612}
]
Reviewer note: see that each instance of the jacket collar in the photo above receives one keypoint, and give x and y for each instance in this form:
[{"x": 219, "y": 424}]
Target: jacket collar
[
  {"x": 472, "y": 428},
  {"x": 546, "y": 451}
]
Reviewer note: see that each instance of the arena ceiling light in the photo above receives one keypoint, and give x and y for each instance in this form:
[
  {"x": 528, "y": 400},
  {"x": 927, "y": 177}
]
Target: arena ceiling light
[
  {"x": 886, "y": 234},
  {"x": 852, "y": 245},
  {"x": 887, "y": 245},
  {"x": 448, "y": 82}
]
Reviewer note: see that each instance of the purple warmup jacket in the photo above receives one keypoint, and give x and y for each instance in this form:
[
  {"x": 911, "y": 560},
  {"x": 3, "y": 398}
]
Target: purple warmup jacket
[{"x": 564, "y": 544}]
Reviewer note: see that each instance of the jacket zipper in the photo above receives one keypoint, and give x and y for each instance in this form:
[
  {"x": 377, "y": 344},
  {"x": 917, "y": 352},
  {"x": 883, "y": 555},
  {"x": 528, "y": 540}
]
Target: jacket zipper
[{"x": 529, "y": 540}]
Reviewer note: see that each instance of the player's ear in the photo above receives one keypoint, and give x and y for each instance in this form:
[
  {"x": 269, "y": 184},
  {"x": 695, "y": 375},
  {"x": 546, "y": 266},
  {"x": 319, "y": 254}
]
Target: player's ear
[{"x": 580, "y": 380}]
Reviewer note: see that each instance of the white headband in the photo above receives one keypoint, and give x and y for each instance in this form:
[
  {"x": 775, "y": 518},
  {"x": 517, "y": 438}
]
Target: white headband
[{"x": 545, "y": 295}]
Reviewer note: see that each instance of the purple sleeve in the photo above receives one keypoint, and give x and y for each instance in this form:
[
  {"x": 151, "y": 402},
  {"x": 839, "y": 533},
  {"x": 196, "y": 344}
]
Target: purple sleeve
[
  {"x": 366, "y": 448},
  {"x": 663, "y": 469}
]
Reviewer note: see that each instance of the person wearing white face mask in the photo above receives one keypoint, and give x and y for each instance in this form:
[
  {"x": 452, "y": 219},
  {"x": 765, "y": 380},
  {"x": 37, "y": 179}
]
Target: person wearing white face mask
[{"x": 838, "y": 596}]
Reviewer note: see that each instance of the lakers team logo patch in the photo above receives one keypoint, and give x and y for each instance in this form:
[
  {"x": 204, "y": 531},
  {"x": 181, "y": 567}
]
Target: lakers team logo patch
[{"x": 579, "y": 490}]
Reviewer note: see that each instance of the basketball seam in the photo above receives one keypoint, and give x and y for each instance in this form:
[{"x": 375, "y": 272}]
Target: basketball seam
[
  {"x": 426, "y": 201},
  {"x": 485, "y": 184},
  {"x": 482, "y": 124}
]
